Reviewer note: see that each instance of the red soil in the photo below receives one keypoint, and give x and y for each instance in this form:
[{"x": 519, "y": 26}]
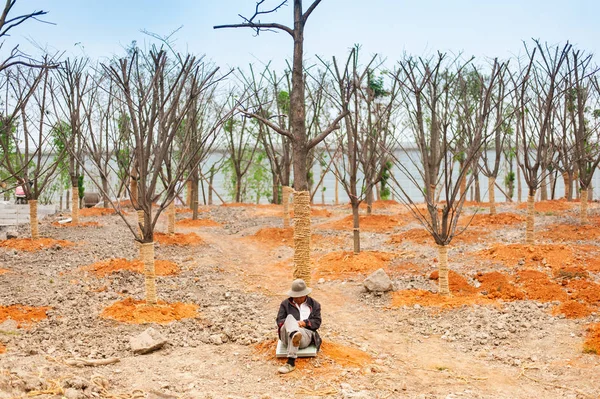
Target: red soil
[
  {"x": 374, "y": 223},
  {"x": 161, "y": 267},
  {"x": 550, "y": 206},
  {"x": 198, "y": 223},
  {"x": 340, "y": 265},
  {"x": 572, "y": 310},
  {"x": 499, "y": 286},
  {"x": 584, "y": 290},
  {"x": 274, "y": 236},
  {"x": 427, "y": 298},
  {"x": 80, "y": 224},
  {"x": 86, "y": 212},
  {"x": 27, "y": 244},
  {"x": 178, "y": 239},
  {"x": 570, "y": 272},
  {"x": 537, "y": 286},
  {"x": 570, "y": 232},
  {"x": 2, "y": 348},
  {"x": 554, "y": 255},
  {"x": 592, "y": 342},
  {"x": 423, "y": 236},
  {"x": 138, "y": 312},
  {"x": 487, "y": 220},
  {"x": 332, "y": 354},
  {"x": 23, "y": 315},
  {"x": 2, "y": 271},
  {"x": 458, "y": 284}
]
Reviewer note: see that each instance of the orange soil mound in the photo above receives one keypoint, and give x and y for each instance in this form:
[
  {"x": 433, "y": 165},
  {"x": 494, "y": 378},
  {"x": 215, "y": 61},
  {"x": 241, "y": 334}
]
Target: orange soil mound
[
  {"x": 27, "y": 244},
  {"x": 137, "y": 312},
  {"x": 80, "y": 224},
  {"x": 423, "y": 236},
  {"x": 572, "y": 310},
  {"x": 584, "y": 290},
  {"x": 2, "y": 271},
  {"x": 487, "y": 220},
  {"x": 86, "y": 212},
  {"x": 375, "y": 223},
  {"x": 499, "y": 286},
  {"x": 554, "y": 254},
  {"x": 161, "y": 267},
  {"x": 550, "y": 206},
  {"x": 410, "y": 268},
  {"x": 197, "y": 223},
  {"x": 337, "y": 265},
  {"x": 276, "y": 235},
  {"x": 458, "y": 284},
  {"x": 592, "y": 342},
  {"x": 478, "y": 204},
  {"x": 22, "y": 314},
  {"x": 427, "y": 298},
  {"x": 2, "y": 348},
  {"x": 331, "y": 354},
  {"x": 178, "y": 239},
  {"x": 569, "y": 232},
  {"x": 537, "y": 286}
]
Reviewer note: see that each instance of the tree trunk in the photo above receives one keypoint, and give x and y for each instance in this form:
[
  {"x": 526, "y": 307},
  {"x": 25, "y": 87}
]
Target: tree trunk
[
  {"x": 194, "y": 197},
  {"x": 133, "y": 192},
  {"x": 443, "y": 275},
  {"x": 463, "y": 182},
  {"x": 147, "y": 257},
  {"x": 285, "y": 200},
  {"x": 477, "y": 188},
  {"x": 583, "y": 214},
  {"x": 238, "y": 189},
  {"x": 337, "y": 191},
  {"x": 590, "y": 193},
  {"x": 356, "y": 226},
  {"x": 188, "y": 190},
  {"x": 370, "y": 202},
  {"x": 140, "y": 215},
  {"x": 105, "y": 202},
  {"x": 211, "y": 179},
  {"x": 544, "y": 189},
  {"x": 33, "y": 219},
  {"x": 492, "y": 194},
  {"x": 519, "y": 188},
  {"x": 275, "y": 193},
  {"x": 568, "y": 188},
  {"x": 552, "y": 185},
  {"x": 302, "y": 267},
  {"x": 574, "y": 179},
  {"x": 60, "y": 206},
  {"x": 529, "y": 234},
  {"x": 75, "y": 201},
  {"x": 171, "y": 218}
]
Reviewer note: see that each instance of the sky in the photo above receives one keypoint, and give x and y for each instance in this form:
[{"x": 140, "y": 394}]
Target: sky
[{"x": 390, "y": 28}]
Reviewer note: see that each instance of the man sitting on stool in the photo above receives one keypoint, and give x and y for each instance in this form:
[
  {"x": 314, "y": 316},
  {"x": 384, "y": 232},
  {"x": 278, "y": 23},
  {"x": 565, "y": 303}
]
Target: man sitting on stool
[{"x": 298, "y": 320}]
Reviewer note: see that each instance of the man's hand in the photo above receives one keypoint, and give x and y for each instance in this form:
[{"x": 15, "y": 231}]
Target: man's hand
[{"x": 301, "y": 323}]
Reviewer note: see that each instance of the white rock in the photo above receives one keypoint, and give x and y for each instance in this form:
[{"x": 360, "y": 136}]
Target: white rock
[
  {"x": 148, "y": 341},
  {"x": 378, "y": 281}
]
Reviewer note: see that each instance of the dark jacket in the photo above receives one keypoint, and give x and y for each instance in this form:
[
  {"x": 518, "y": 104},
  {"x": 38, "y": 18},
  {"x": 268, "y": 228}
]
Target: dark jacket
[{"x": 312, "y": 323}]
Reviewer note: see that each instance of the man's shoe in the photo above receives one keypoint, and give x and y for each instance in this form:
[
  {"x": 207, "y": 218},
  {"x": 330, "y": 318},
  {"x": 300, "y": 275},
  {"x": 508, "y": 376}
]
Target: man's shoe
[
  {"x": 286, "y": 368},
  {"x": 296, "y": 338}
]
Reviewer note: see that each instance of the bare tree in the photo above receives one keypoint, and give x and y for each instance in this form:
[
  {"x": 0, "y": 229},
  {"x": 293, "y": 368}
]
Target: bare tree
[
  {"x": 536, "y": 93},
  {"x": 301, "y": 145}
]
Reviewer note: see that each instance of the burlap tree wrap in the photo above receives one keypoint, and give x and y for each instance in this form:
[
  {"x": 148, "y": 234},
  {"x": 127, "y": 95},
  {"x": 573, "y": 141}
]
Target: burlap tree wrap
[
  {"x": 33, "y": 219},
  {"x": 444, "y": 286},
  {"x": 302, "y": 236},
  {"x": 492, "y": 195},
  {"x": 171, "y": 218},
  {"x": 147, "y": 257},
  {"x": 337, "y": 192},
  {"x": 583, "y": 214},
  {"x": 285, "y": 200},
  {"x": 75, "y": 205},
  {"x": 529, "y": 239}
]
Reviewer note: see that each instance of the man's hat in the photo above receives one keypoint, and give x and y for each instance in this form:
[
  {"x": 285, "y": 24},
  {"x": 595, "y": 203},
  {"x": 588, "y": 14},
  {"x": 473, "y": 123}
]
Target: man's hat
[{"x": 299, "y": 289}]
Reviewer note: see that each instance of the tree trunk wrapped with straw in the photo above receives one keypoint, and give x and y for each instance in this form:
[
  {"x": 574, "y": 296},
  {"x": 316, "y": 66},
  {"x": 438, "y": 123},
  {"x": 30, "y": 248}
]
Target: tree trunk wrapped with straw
[
  {"x": 443, "y": 274},
  {"x": 171, "y": 218},
  {"x": 75, "y": 204},
  {"x": 529, "y": 236},
  {"x": 33, "y": 219},
  {"x": 147, "y": 258},
  {"x": 286, "y": 192},
  {"x": 302, "y": 236},
  {"x": 583, "y": 217},
  {"x": 492, "y": 194}
]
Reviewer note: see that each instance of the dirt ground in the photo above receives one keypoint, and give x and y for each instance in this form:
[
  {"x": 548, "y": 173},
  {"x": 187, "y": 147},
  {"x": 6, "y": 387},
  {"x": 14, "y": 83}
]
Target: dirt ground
[{"x": 523, "y": 321}]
